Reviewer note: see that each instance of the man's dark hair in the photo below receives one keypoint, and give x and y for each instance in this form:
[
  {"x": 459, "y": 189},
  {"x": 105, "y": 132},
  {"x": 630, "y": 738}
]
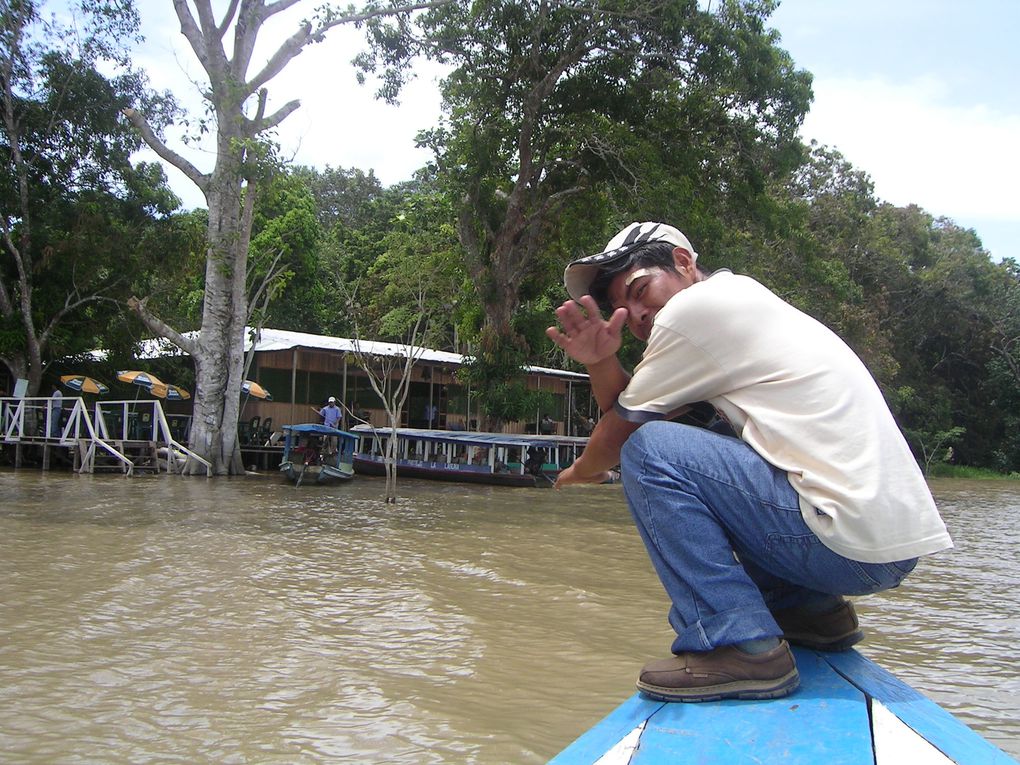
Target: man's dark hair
[{"x": 651, "y": 254}]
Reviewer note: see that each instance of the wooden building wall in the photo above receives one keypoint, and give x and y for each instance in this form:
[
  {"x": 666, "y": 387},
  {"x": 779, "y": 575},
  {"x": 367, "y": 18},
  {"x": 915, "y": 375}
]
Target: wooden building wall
[{"x": 302, "y": 379}]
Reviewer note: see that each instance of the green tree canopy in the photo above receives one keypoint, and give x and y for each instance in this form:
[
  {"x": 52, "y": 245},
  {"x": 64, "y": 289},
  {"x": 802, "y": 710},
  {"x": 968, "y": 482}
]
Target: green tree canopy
[
  {"x": 72, "y": 205},
  {"x": 549, "y": 101}
]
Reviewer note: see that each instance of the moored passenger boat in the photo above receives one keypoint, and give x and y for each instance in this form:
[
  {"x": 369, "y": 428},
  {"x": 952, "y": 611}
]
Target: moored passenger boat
[
  {"x": 504, "y": 459},
  {"x": 314, "y": 453}
]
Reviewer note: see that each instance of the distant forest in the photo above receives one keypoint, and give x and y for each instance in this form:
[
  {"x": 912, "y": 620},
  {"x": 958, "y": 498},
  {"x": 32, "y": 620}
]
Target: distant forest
[{"x": 563, "y": 123}]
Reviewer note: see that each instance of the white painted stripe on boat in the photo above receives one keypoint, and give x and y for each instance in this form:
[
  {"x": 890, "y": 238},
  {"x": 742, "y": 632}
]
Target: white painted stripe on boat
[
  {"x": 623, "y": 750},
  {"x": 896, "y": 742}
]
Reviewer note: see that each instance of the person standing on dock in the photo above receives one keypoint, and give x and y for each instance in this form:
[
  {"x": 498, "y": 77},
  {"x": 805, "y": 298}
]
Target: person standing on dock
[
  {"x": 56, "y": 411},
  {"x": 757, "y": 535}
]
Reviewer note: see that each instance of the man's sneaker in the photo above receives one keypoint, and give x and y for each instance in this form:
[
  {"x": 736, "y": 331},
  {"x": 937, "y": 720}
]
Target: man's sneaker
[
  {"x": 834, "y": 630},
  {"x": 722, "y": 673}
]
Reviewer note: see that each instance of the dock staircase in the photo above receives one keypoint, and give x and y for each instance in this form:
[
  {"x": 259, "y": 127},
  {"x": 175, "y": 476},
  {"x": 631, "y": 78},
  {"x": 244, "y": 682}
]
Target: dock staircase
[
  {"x": 128, "y": 437},
  {"x": 131, "y": 456}
]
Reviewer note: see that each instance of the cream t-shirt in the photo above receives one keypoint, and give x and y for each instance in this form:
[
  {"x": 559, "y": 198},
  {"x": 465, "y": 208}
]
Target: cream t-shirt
[{"x": 804, "y": 401}]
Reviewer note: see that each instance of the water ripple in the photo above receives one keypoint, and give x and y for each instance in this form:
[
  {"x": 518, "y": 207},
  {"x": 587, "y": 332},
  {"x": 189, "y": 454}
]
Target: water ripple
[{"x": 243, "y": 621}]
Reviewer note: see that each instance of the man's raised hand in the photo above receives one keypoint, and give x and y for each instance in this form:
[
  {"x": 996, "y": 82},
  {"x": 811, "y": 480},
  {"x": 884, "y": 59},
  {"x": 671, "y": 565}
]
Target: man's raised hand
[{"x": 585, "y": 336}]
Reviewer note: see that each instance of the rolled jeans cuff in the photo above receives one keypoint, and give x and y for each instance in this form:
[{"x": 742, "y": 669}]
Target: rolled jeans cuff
[{"x": 723, "y": 628}]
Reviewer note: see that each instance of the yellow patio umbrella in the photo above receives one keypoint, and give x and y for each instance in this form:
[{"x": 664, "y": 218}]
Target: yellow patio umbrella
[
  {"x": 84, "y": 384},
  {"x": 143, "y": 379},
  {"x": 169, "y": 392},
  {"x": 252, "y": 388}
]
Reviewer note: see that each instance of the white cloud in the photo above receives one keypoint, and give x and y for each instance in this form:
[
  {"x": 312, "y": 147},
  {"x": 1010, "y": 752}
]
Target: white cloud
[
  {"x": 339, "y": 122},
  {"x": 918, "y": 148},
  {"x": 343, "y": 124},
  {"x": 917, "y": 144}
]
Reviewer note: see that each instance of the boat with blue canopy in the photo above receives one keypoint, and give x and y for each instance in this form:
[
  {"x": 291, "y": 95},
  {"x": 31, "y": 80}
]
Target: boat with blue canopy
[
  {"x": 315, "y": 453},
  {"x": 502, "y": 459}
]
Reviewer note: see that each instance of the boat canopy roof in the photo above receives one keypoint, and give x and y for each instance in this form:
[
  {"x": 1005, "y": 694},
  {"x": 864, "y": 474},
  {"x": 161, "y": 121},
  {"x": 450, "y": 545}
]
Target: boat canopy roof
[
  {"x": 469, "y": 438},
  {"x": 317, "y": 429}
]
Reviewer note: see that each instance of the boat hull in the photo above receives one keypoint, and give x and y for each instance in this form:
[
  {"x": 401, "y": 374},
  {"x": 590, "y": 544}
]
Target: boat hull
[
  {"x": 453, "y": 475},
  {"x": 301, "y": 474},
  {"x": 458, "y": 456}
]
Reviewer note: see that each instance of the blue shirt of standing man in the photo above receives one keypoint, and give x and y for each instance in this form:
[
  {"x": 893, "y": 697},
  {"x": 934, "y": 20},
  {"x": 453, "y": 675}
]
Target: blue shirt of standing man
[{"x": 330, "y": 414}]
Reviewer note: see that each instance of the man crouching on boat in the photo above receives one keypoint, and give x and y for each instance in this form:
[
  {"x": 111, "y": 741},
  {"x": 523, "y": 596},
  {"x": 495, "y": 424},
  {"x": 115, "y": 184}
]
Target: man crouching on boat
[{"x": 756, "y": 538}]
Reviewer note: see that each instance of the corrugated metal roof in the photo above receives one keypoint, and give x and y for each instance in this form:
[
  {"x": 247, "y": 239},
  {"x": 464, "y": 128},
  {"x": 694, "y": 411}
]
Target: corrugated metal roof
[{"x": 282, "y": 339}]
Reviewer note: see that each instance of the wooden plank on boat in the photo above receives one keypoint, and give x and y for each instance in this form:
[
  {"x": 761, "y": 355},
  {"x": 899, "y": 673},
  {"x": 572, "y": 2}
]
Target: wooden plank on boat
[
  {"x": 896, "y": 743},
  {"x": 825, "y": 722},
  {"x": 614, "y": 728},
  {"x": 829, "y": 719},
  {"x": 946, "y": 733}
]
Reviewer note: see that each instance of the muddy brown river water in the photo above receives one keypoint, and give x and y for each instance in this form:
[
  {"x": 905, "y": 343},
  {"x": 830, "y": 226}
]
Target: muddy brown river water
[{"x": 171, "y": 620}]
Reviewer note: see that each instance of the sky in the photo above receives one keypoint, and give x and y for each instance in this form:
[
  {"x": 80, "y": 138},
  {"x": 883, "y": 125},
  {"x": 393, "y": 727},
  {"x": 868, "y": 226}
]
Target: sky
[{"x": 922, "y": 95}]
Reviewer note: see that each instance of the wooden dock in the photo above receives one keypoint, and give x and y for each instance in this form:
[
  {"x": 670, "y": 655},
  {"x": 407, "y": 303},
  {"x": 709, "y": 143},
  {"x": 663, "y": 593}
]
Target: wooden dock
[
  {"x": 262, "y": 459},
  {"x": 126, "y": 436},
  {"x": 847, "y": 711}
]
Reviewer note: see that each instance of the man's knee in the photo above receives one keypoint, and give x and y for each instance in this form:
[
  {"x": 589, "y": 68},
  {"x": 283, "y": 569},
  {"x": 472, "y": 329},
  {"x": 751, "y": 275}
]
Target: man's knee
[
  {"x": 675, "y": 447},
  {"x": 658, "y": 436}
]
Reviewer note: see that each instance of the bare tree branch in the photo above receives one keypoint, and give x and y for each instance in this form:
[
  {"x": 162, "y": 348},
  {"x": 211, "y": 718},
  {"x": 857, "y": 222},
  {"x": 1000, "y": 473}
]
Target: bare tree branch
[
  {"x": 228, "y": 16},
  {"x": 71, "y": 302},
  {"x": 191, "y": 31},
  {"x": 161, "y": 328},
  {"x": 138, "y": 120},
  {"x": 261, "y": 295},
  {"x": 283, "y": 56},
  {"x": 276, "y": 117},
  {"x": 306, "y": 34},
  {"x": 354, "y": 18}
]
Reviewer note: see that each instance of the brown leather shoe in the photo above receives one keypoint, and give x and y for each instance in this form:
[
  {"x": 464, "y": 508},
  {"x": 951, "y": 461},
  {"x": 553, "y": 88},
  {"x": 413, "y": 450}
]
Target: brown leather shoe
[
  {"x": 722, "y": 673},
  {"x": 835, "y": 630}
]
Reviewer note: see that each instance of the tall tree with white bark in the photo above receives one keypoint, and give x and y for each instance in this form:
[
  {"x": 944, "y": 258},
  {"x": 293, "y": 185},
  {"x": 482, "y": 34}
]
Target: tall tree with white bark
[{"x": 238, "y": 102}]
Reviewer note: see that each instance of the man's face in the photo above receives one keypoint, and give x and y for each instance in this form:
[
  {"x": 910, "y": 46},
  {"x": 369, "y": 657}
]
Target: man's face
[{"x": 644, "y": 290}]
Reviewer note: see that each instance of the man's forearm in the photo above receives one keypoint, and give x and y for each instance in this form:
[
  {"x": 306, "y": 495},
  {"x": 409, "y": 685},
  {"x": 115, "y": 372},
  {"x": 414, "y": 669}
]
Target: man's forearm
[
  {"x": 603, "y": 449},
  {"x": 608, "y": 380}
]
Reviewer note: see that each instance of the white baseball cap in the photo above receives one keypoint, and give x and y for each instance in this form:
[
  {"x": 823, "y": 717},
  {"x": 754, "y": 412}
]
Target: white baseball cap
[
  {"x": 579, "y": 274},
  {"x": 332, "y": 400}
]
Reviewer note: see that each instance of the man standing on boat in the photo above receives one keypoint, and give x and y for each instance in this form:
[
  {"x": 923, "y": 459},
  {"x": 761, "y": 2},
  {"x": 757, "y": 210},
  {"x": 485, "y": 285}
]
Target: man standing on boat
[
  {"x": 331, "y": 415},
  {"x": 756, "y": 538}
]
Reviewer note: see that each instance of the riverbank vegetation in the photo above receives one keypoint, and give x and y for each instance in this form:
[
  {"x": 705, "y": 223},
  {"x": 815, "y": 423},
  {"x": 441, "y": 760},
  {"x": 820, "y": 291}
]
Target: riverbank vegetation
[
  {"x": 967, "y": 472},
  {"x": 562, "y": 123}
]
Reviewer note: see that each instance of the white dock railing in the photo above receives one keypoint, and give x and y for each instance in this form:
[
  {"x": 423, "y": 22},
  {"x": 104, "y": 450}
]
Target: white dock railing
[{"x": 38, "y": 420}]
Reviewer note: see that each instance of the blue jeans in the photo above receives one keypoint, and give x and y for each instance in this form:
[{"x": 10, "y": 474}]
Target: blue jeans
[{"x": 725, "y": 533}]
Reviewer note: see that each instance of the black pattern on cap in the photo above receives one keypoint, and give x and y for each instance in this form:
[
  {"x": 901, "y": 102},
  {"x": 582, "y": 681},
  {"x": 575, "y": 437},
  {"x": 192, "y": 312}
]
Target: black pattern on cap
[{"x": 579, "y": 274}]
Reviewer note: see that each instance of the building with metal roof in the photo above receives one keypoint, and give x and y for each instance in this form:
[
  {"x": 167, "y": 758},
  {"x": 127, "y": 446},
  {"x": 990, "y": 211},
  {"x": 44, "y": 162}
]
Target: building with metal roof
[{"x": 302, "y": 370}]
